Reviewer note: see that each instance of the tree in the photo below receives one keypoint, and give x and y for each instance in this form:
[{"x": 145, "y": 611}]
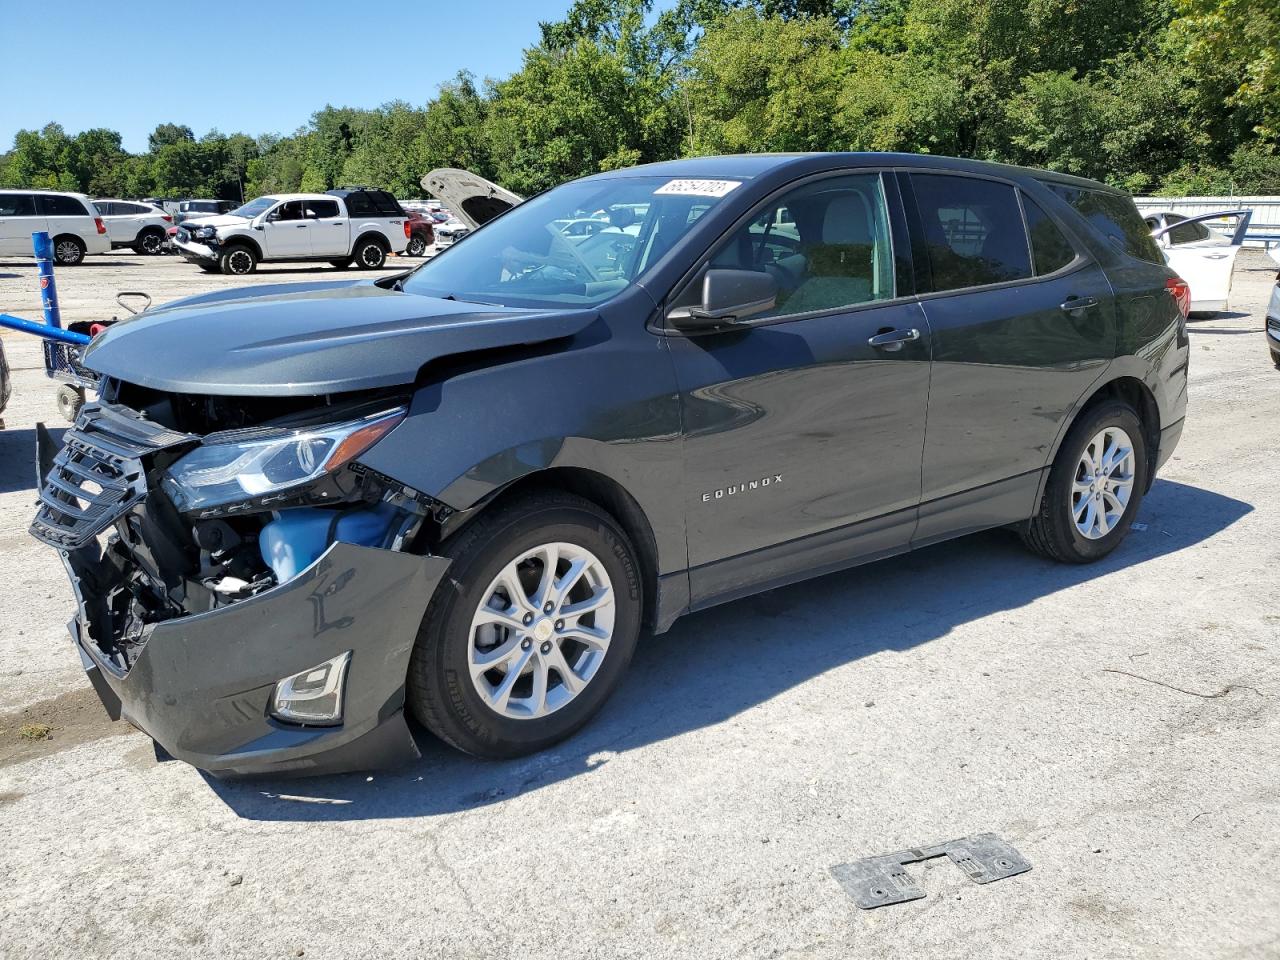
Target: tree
[{"x": 166, "y": 134}]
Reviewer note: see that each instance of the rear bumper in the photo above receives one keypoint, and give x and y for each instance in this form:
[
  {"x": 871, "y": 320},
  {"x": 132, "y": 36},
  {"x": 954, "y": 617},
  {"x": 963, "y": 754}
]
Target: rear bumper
[
  {"x": 202, "y": 684},
  {"x": 1169, "y": 438}
]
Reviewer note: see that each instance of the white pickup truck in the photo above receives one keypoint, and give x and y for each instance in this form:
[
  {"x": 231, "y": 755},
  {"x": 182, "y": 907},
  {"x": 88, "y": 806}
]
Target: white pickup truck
[{"x": 342, "y": 226}]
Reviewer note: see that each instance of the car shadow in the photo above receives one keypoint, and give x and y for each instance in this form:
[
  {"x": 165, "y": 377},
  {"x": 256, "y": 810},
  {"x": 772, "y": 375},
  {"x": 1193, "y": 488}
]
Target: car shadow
[
  {"x": 1230, "y": 332},
  {"x": 18, "y": 456},
  {"x": 718, "y": 663}
]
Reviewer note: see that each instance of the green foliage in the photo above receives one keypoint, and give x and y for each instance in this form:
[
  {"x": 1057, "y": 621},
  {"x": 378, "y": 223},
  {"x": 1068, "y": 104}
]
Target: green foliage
[{"x": 1171, "y": 95}]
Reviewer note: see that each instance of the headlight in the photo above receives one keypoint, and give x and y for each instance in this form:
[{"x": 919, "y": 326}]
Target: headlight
[
  {"x": 204, "y": 233},
  {"x": 237, "y": 467}
]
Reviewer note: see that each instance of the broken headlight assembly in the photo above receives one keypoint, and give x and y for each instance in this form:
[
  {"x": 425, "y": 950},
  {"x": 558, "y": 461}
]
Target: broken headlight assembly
[{"x": 263, "y": 465}]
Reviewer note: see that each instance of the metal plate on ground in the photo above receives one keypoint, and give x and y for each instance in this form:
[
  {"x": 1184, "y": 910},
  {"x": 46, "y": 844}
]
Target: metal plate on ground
[{"x": 881, "y": 880}]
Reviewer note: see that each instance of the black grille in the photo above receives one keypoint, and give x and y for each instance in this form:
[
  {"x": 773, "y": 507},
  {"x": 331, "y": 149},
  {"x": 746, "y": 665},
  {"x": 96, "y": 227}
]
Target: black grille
[{"x": 97, "y": 476}]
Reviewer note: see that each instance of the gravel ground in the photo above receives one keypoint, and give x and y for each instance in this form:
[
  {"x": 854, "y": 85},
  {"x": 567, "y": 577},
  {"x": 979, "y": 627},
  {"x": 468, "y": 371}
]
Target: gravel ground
[{"x": 1118, "y": 723}]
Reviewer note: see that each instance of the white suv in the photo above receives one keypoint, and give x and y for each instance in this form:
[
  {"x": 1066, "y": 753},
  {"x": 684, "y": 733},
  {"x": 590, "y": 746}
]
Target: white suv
[
  {"x": 341, "y": 226},
  {"x": 138, "y": 225},
  {"x": 69, "y": 218}
]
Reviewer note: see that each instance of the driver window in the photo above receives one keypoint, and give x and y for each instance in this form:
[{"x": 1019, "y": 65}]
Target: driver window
[
  {"x": 826, "y": 244},
  {"x": 290, "y": 211}
]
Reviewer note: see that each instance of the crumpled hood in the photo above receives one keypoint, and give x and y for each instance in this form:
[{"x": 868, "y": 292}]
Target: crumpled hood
[
  {"x": 214, "y": 220},
  {"x": 302, "y": 339}
]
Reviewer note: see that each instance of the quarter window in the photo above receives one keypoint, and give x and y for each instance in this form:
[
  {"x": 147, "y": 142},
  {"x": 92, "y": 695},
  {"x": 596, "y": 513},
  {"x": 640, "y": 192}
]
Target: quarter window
[
  {"x": 17, "y": 205},
  {"x": 1050, "y": 249},
  {"x": 826, "y": 244},
  {"x": 1115, "y": 217},
  {"x": 973, "y": 230}
]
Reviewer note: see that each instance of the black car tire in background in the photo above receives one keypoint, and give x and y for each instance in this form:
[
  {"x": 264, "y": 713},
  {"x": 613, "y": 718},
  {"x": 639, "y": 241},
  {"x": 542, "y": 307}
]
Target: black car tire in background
[
  {"x": 370, "y": 254},
  {"x": 238, "y": 260},
  {"x": 340, "y": 264},
  {"x": 440, "y": 689},
  {"x": 68, "y": 250},
  {"x": 150, "y": 242},
  {"x": 1053, "y": 531},
  {"x": 417, "y": 245}
]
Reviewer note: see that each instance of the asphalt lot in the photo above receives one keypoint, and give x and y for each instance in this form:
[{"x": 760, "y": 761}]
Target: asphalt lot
[{"x": 1117, "y": 723}]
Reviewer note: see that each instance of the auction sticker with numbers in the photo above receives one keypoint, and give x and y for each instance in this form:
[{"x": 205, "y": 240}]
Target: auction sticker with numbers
[{"x": 696, "y": 188}]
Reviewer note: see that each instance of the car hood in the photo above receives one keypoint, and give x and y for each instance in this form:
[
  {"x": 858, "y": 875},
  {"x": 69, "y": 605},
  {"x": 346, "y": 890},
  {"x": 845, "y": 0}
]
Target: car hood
[
  {"x": 468, "y": 196},
  {"x": 304, "y": 339},
  {"x": 214, "y": 220}
]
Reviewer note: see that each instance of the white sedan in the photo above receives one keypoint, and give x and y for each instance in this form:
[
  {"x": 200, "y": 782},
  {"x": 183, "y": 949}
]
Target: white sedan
[{"x": 1201, "y": 255}]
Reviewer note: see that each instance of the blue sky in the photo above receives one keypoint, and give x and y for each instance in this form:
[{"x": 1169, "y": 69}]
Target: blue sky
[{"x": 255, "y": 67}]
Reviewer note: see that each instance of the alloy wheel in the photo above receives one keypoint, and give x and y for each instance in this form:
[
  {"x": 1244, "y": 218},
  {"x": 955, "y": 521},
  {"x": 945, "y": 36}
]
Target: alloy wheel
[
  {"x": 240, "y": 261},
  {"x": 542, "y": 631},
  {"x": 67, "y": 252},
  {"x": 1103, "y": 483}
]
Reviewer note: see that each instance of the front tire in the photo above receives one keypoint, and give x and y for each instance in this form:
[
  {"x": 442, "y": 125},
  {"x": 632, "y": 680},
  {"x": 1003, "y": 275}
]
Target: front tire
[
  {"x": 511, "y": 659},
  {"x": 370, "y": 255},
  {"x": 68, "y": 251},
  {"x": 1095, "y": 487},
  {"x": 238, "y": 261}
]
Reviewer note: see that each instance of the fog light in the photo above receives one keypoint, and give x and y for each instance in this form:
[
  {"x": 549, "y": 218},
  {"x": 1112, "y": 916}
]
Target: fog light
[{"x": 313, "y": 696}]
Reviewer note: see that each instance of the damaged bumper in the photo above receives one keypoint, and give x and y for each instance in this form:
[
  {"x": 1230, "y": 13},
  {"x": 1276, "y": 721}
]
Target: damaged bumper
[
  {"x": 197, "y": 252},
  {"x": 195, "y": 664},
  {"x": 201, "y": 685}
]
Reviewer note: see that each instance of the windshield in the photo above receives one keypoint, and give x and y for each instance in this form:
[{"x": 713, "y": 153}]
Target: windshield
[
  {"x": 577, "y": 245},
  {"x": 254, "y": 207}
]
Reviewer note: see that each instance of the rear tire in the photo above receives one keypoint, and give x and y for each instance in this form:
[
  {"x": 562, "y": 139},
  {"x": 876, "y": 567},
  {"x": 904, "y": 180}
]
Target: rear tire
[
  {"x": 1087, "y": 509},
  {"x": 535, "y": 713},
  {"x": 238, "y": 261},
  {"x": 417, "y": 246},
  {"x": 370, "y": 254},
  {"x": 149, "y": 243},
  {"x": 68, "y": 250}
]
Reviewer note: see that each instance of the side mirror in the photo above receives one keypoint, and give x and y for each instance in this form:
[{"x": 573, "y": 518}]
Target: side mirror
[{"x": 728, "y": 297}]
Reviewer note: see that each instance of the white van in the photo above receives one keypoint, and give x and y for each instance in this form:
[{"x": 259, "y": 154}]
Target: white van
[{"x": 71, "y": 220}]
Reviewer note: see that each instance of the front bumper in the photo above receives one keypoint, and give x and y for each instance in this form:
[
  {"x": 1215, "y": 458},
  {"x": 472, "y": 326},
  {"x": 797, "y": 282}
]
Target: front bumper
[
  {"x": 196, "y": 252},
  {"x": 201, "y": 685}
]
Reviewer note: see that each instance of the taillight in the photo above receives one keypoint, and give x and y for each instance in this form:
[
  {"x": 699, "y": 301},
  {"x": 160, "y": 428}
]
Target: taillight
[
  {"x": 1181, "y": 294},
  {"x": 166, "y": 218},
  {"x": 408, "y": 233},
  {"x": 97, "y": 222}
]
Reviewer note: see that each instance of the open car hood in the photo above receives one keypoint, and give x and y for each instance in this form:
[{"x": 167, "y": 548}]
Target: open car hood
[
  {"x": 469, "y": 197},
  {"x": 304, "y": 339}
]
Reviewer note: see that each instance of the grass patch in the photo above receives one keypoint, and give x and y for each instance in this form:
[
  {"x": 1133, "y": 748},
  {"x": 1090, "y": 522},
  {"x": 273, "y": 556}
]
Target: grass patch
[{"x": 35, "y": 731}]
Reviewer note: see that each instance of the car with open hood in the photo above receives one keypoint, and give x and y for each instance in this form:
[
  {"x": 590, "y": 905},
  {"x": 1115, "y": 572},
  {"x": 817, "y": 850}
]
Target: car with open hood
[{"x": 301, "y": 513}]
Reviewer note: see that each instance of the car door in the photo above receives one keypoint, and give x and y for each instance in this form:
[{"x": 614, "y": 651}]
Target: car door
[
  {"x": 18, "y": 220},
  {"x": 1022, "y": 322},
  {"x": 287, "y": 231},
  {"x": 1204, "y": 258},
  {"x": 330, "y": 235},
  {"x": 804, "y": 426},
  {"x": 115, "y": 216}
]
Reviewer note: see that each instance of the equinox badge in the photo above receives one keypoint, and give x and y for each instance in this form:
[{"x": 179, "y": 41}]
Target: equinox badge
[{"x": 741, "y": 488}]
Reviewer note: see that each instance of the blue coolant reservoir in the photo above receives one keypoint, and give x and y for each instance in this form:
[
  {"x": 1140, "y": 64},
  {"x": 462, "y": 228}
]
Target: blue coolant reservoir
[{"x": 295, "y": 538}]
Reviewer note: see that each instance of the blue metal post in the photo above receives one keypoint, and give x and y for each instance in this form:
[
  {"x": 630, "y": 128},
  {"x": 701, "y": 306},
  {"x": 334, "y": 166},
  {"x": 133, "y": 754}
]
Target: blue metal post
[{"x": 48, "y": 288}]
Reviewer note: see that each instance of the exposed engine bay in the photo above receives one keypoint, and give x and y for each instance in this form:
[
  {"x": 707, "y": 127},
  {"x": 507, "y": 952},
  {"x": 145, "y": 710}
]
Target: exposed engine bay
[{"x": 166, "y": 505}]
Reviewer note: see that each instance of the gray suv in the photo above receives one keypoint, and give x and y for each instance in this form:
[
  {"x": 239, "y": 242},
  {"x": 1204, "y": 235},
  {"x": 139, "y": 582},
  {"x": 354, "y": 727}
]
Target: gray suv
[{"x": 300, "y": 513}]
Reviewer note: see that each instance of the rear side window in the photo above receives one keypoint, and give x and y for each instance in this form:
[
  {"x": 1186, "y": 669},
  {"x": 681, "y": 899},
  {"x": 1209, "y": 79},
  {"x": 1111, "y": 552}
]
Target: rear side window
[
  {"x": 54, "y": 205},
  {"x": 322, "y": 209},
  {"x": 17, "y": 205},
  {"x": 973, "y": 230},
  {"x": 1186, "y": 232},
  {"x": 386, "y": 204},
  {"x": 1115, "y": 217},
  {"x": 1050, "y": 248}
]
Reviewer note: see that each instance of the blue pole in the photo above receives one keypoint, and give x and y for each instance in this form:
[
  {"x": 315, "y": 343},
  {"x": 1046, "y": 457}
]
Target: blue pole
[
  {"x": 43, "y": 330},
  {"x": 48, "y": 288}
]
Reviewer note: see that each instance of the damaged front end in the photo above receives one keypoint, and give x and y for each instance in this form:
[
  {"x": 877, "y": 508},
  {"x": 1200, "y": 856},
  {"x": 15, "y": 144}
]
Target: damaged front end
[{"x": 247, "y": 592}]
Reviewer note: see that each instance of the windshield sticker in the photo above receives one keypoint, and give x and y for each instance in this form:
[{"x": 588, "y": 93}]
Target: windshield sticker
[{"x": 696, "y": 188}]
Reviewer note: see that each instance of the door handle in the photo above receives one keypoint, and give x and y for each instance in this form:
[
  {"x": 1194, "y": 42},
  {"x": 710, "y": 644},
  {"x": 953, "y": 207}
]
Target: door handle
[
  {"x": 301, "y": 226},
  {"x": 894, "y": 339},
  {"x": 1073, "y": 304}
]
